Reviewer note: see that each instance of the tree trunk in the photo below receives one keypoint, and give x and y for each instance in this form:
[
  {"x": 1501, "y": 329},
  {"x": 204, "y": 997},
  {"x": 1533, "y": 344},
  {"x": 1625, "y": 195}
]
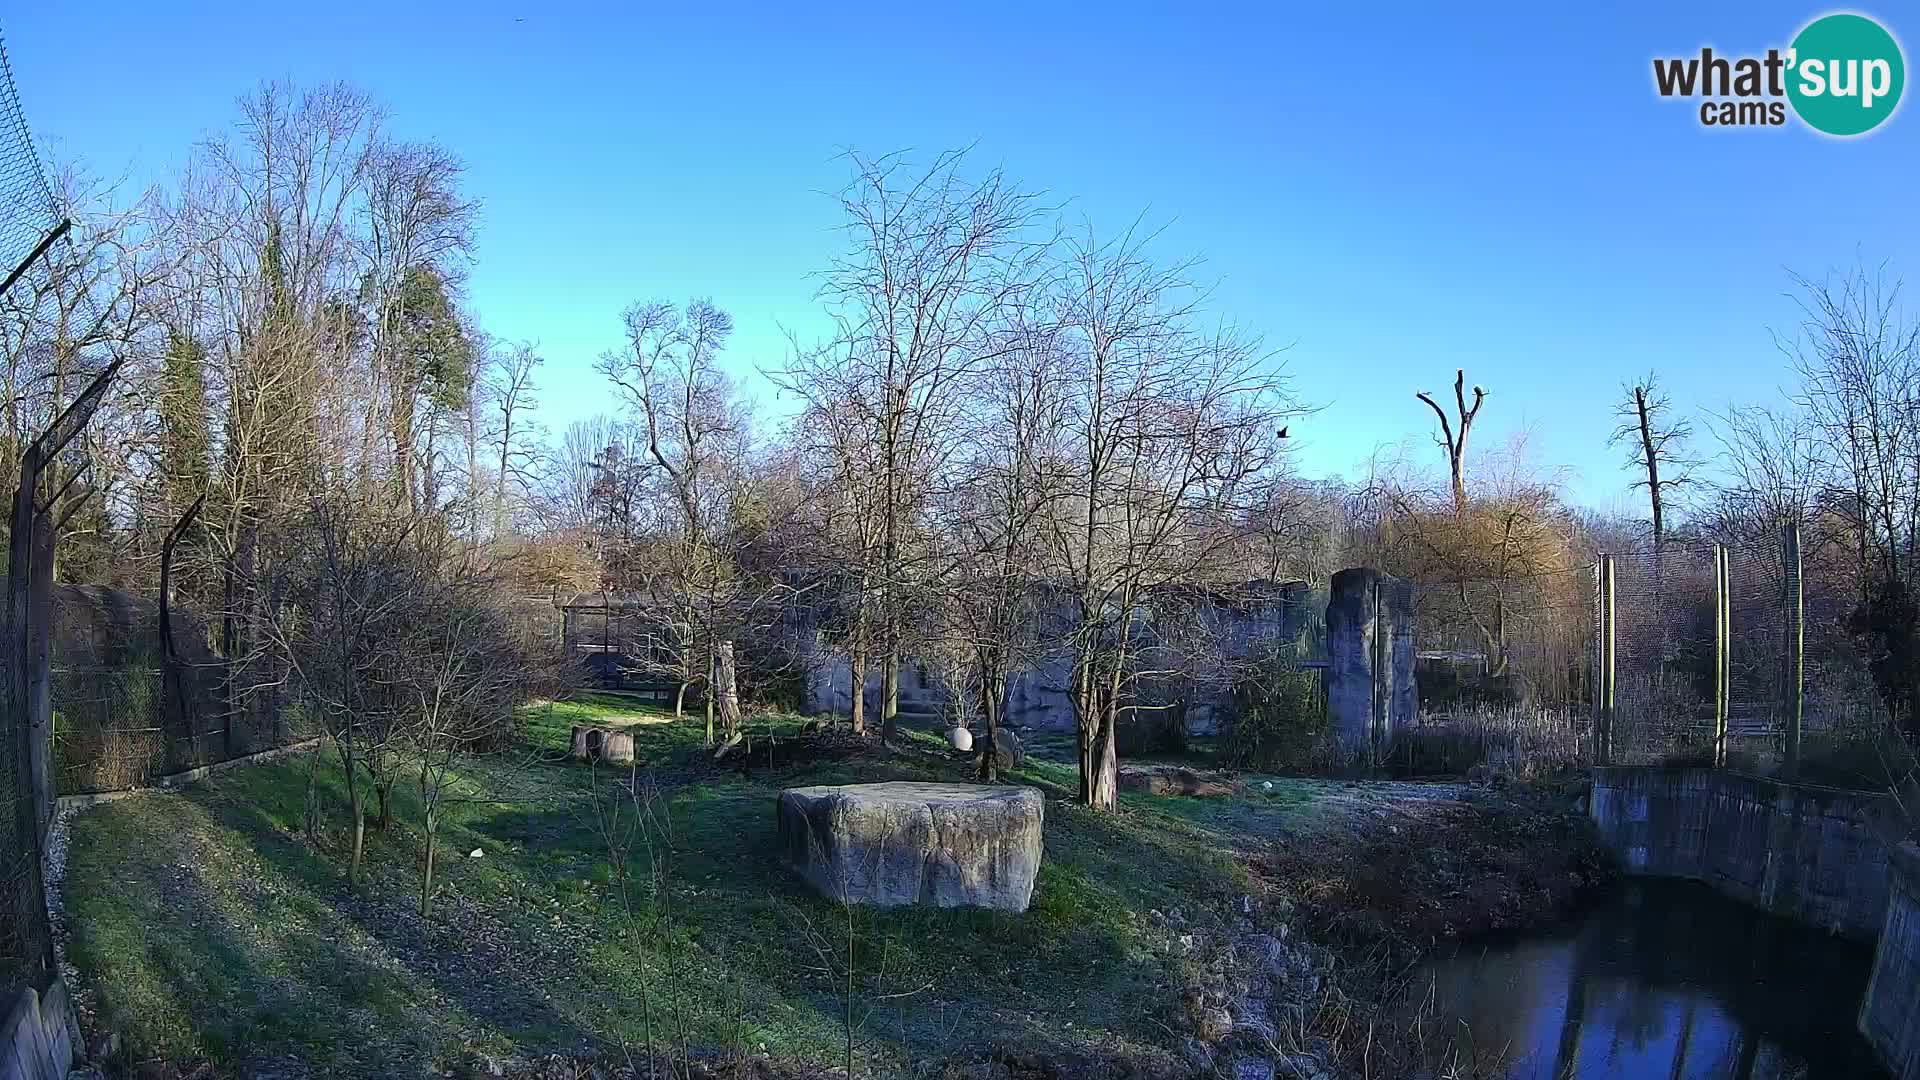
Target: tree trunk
[
  {"x": 993, "y": 691},
  {"x": 680, "y": 700},
  {"x": 356, "y": 806},
  {"x": 1099, "y": 759},
  {"x": 382, "y": 787},
  {"x": 890, "y": 693},
  {"x": 242, "y": 635},
  {"x": 1106, "y": 787},
  {"x": 711, "y": 665},
  {"x": 857, "y": 710},
  {"x": 1088, "y": 763},
  {"x": 313, "y": 797},
  {"x": 1651, "y": 455},
  {"x": 431, "y": 825},
  {"x": 726, "y": 689}
]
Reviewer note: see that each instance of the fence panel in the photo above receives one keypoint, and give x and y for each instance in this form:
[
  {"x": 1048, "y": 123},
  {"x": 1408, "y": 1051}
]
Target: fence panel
[
  {"x": 1664, "y": 655},
  {"x": 29, "y": 216},
  {"x": 1504, "y": 673}
]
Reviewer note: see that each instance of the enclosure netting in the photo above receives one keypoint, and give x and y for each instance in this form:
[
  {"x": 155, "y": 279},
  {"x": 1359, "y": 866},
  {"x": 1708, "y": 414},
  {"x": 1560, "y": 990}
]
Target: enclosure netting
[
  {"x": 1503, "y": 671},
  {"x": 1666, "y": 666},
  {"x": 28, "y": 214}
]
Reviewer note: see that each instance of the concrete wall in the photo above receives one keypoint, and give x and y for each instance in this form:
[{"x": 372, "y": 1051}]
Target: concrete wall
[
  {"x": 1176, "y": 630},
  {"x": 1804, "y": 852},
  {"x": 1371, "y": 695},
  {"x": 37, "y": 1040},
  {"x": 1890, "y": 1012},
  {"x": 1818, "y": 855}
]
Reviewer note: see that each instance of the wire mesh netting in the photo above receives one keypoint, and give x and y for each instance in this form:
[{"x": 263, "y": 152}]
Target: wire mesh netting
[
  {"x": 1503, "y": 672},
  {"x": 115, "y": 727},
  {"x": 47, "y": 303},
  {"x": 28, "y": 215},
  {"x": 28, "y": 210},
  {"x": 1669, "y": 613},
  {"x": 1664, "y": 655}
]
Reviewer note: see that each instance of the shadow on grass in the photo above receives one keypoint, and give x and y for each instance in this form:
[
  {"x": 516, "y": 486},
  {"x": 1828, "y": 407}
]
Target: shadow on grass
[
  {"x": 210, "y": 933},
  {"x": 214, "y": 929}
]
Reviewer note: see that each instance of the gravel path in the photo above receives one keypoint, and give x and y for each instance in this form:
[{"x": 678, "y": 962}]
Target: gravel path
[{"x": 53, "y": 870}]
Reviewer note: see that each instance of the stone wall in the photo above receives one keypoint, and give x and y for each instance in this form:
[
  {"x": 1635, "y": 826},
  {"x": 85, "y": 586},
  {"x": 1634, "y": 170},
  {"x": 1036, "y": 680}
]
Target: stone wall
[
  {"x": 1371, "y": 694},
  {"x": 1818, "y": 855},
  {"x": 1804, "y": 852},
  {"x": 1184, "y": 630},
  {"x": 1890, "y": 1012}
]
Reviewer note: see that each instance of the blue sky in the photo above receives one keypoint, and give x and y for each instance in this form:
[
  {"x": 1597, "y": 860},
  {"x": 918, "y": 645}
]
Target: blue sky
[{"x": 1390, "y": 190}]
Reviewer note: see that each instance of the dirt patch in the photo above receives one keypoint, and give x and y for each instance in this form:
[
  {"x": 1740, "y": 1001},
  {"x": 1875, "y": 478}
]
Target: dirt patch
[
  {"x": 1172, "y": 780},
  {"x": 1402, "y": 871},
  {"x": 819, "y": 746},
  {"x": 1485, "y": 860}
]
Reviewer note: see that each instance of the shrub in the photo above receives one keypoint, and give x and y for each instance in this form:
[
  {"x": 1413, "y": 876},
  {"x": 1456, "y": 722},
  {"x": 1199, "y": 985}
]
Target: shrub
[
  {"x": 1280, "y": 718},
  {"x": 1159, "y": 729},
  {"x": 1528, "y": 743}
]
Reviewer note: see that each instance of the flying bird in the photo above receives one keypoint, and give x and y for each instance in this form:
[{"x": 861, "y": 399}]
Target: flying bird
[{"x": 1283, "y": 432}]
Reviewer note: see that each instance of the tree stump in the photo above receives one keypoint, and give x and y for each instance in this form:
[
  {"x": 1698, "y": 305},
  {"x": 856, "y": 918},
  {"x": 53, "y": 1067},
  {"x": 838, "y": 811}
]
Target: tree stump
[{"x": 591, "y": 743}]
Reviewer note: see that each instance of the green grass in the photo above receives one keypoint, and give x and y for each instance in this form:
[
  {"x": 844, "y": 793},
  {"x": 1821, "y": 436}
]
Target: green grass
[{"x": 211, "y": 929}]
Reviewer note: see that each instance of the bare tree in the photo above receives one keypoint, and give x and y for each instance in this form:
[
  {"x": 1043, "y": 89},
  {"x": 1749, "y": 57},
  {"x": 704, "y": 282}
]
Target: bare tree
[
  {"x": 511, "y": 393},
  {"x": 1858, "y": 359},
  {"x": 459, "y": 672},
  {"x": 1165, "y": 428},
  {"x": 997, "y": 510},
  {"x": 833, "y": 438},
  {"x": 1452, "y": 442},
  {"x": 933, "y": 258},
  {"x": 352, "y": 578},
  {"x": 695, "y": 431},
  {"x": 1657, "y": 447}
]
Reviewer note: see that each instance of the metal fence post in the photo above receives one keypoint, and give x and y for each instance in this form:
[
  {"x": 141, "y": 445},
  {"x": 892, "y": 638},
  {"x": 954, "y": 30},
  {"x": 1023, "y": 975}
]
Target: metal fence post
[
  {"x": 1603, "y": 697},
  {"x": 1722, "y": 617},
  {"x": 1796, "y": 613}
]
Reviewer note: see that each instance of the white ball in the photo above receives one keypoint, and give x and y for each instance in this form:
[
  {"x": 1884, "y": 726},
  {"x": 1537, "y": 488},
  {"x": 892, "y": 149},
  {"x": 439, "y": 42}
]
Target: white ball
[{"x": 960, "y": 738}]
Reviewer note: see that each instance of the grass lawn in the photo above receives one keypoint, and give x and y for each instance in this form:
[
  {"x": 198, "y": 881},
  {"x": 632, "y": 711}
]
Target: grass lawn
[{"x": 209, "y": 928}]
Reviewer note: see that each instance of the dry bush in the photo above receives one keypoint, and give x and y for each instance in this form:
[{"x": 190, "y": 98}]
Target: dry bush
[{"x": 1513, "y": 741}]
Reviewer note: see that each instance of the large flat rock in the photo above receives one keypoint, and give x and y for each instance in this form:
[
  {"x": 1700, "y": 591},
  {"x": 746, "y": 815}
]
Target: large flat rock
[{"x": 947, "y": 845}]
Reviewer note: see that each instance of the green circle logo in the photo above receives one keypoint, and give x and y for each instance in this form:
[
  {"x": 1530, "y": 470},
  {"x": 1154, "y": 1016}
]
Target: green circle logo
[{"x": 1845, "y": 74}]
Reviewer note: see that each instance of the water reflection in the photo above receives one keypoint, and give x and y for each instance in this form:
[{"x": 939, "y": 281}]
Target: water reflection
[{"x": 1658, "y": 979}]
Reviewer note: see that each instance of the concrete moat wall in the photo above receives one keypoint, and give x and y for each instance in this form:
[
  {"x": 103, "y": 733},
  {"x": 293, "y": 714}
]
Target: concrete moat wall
[
  {"x": 1807, "y": 853},
  {"x": 1804, "y": 852},
  {"x": 1890, "y": 1012}
]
